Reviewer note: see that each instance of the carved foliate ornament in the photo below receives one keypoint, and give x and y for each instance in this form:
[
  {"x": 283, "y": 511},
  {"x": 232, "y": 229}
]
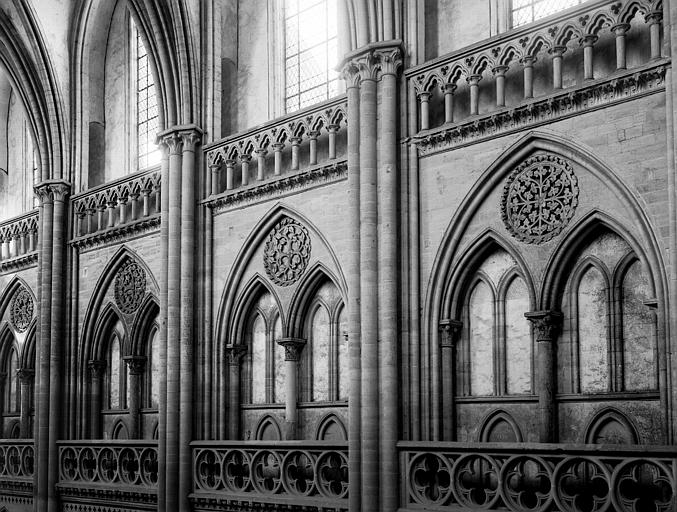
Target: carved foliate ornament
[
  {"x": 21, "y": 310},
  {"x": 286, "y": 253},
  {"x": 539, "y": 198},
  {"x": 130, "y": 287}
]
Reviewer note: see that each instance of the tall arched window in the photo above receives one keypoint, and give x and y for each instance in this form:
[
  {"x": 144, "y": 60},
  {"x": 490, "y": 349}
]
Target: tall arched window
[
  {"x": 147, "y": 119},
  {"x": 116, "y": 375},
  {"x": 153, "y": 371},
  {"x": 526, "y": 11},
  {"x": 494, "y": 356},
  {"x": 12, "y": 398},
  {"x": 311, "y": 52}
]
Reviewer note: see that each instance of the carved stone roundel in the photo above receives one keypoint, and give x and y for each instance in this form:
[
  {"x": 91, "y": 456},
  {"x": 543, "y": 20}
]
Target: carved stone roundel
[
  {"x": 539, "y": 198},
  {"x": 286, "y": 253},
  {"x": 130, "y": 287},
  {"x": 21, "y": 310}
]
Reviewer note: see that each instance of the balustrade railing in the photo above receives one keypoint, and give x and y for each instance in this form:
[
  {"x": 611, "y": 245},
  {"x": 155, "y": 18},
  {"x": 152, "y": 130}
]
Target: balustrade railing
[
  {"x": 309, "y": 473},
  {"x": 19, "y": 236},
  {"x": 123, "y": 201},
  {"x": 17, "y": 460},
  {"x": 450, "y": 89},
  {"x": 119, "y": 464},
  {"x": 537, "y": 477},
  {"x": 306, "y": 138}
]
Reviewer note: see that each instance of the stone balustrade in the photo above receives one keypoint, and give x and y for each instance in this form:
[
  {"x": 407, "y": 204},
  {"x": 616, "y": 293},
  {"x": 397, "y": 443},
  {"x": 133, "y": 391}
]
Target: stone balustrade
[
  {"x": 289, "y": 473},
  {"x": 125, "y": 201},
  {"x": 554, "y": 54},
  {"x": 19, "y": 236},
  {"x": 127, "y": 464},
  {"x": 307, "y": 138},
  {"x": 17, "y": 459},
  {"x": 537, "y": 477}
]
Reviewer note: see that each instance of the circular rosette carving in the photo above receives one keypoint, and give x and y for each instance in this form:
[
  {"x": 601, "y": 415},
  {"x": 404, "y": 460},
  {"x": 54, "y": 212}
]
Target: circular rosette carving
[
  {"x": 475, "y": 481},
  {"x": 13, "y": 461},
  {"x": 87, "y": 464},
  {"x": 642, "y": 486},
  {"x": 208, "y": 470},
  {"x": 27, "y": 461},
  {"x": 266, "y": 472},
  {"x": 331, "y": 475},
  {"x": 21, "y": 310},
  {"x": 298, "y": 473},
  {"x": 527, "y": 482},
  {"x": 286, "y": 253},
  {"x": 581, "y": 485},
  {"x": 236, "y": 470},
  {"x": 130, "y": 287},
  {"x": 129, "y": 465},
  {"x": 430, "y": 479},
  {"x": 108, "y": 465},
  {"x": 539, "y": 199},
  {"x": 69, "y": 464},
  {"x": 149, "y": 466}
]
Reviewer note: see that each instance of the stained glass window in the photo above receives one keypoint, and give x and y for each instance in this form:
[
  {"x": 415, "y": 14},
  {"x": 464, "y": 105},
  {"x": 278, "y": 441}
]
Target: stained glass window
[
  {"x": 311, "y": 52},
  {"x": 526, "y": 11},
  {"x": 146, "y": 109}
]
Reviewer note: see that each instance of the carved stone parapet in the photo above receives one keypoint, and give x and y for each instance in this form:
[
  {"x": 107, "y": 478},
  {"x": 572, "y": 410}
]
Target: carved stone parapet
[
  {"x": 450, "y": 332},
  {"x": 96, "y": 368},
  {"x": 547, "y": 324},
  {"x": 235, "y": 353},
  {"x": 136, "y": 364},
  {"x": 292, "y": 348}
]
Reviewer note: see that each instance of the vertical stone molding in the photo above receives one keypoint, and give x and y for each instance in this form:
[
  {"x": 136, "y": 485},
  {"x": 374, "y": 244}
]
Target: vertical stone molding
[
  {"x": 97, "y": 370},
  {"x": 137, "y": 368},
  {"x": 234, "y": 353},
  {"x": 547, "y": 325},
  {"x": 26, "y": 376},
  {"x": 450, "y": 333},
  {"x": 52, "y": 195},
  {"x": 292, "y": 355},
  {"x": 373, "y": 71}
]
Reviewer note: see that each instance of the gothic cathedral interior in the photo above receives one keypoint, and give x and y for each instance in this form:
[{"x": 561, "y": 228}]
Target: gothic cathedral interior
[{"x": 338, "y": 255}]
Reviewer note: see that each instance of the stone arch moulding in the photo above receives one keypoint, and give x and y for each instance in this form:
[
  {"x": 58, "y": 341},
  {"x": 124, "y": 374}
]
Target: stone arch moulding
[
  {"x": 302, "y": 299},
  {"x": 604, "y": 417},
  {"x": 25, "y": 58},
  {"x": 226, "y": 322},
  {"x": 91, "y": 320},
  {"x": 265, "y": 423},
  {"x": 327, "y": 422},
  {"x": 13, "y": 287},
  {"x": 169, "y": 38},
  {"x": 144, "y": 320},
  {"x": 494, "y": 419},
  {"x": 436, "y": 297}
]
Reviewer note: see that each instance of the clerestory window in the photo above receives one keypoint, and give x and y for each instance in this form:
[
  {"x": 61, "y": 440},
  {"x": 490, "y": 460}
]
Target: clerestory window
[
  {"x": 146, "y": 108},
  {"x": 526, "y": 11},
  {"x": 311, "y": 52}
]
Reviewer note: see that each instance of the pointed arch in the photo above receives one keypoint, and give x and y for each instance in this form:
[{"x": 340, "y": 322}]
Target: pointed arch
[
  {"x": 317, "y": 275},
  {"x": 109, "y": 317},
  {"x": 144, "y": 322},
  {"x": 251, "y": 293},
  {"x": 266, "y": 426},
  {"x": 119, "y": 430},
  {"x": 28, "y": 353},
  {"x": 331, "y": 428},
  {"x": 503, "y": 420},
  {"x": 437, "y": 300},
  {"x": 612, "y": 425},
  {"x": 14, "y": 285}
]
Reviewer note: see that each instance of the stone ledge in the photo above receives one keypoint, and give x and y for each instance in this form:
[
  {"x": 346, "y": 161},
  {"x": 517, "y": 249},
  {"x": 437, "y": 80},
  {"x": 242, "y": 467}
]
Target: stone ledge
[
  {"x": 111, "y": 495},
  {"x": 19, "y": 263},
  {"x": 279, "y": 186},
  {"x": 117, "y": 234},
  {"x": 612, "y": 90},
  {"x": 213, "y": 502}
]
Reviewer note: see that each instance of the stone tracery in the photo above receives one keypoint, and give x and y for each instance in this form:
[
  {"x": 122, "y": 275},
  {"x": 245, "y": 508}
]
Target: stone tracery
[
  {"x": 287, "y": 252},
  {"x": 21, "y": 311}
]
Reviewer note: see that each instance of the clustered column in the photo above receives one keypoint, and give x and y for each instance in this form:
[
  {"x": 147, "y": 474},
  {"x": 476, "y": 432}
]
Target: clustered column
[
  {"x": 137, "y": 367},
  {"x": 292, "y": 355},
  {"x": 179, "y": 244},
  {"x": 371, "y": 74}
]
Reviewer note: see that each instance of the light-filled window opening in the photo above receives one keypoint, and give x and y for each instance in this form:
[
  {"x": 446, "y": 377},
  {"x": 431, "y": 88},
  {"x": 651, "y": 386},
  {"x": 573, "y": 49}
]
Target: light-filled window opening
[
  {"x": 146, "y": 109},
  {"x": 526, "y": 11},
  {"x": 311, "y": 52}
]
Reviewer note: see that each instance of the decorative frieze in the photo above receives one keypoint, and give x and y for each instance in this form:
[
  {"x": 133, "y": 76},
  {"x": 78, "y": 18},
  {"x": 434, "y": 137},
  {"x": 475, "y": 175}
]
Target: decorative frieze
[
  {"x": 19, "y": 242},
  {"x": 277, "y": 187},
  {"x": 118, "y": 234},
  {"x": 21, "y": 309},
  {"x": 130, "y": 287},
  {"x": 287, "y": 252},
  {"x": 539, "y": 198},
  {"x": 548, "y": 109}
]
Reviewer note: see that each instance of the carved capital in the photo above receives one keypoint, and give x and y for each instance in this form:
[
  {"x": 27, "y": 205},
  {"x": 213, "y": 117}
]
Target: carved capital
[
  {"x": 96, "y": 368},
  {"x": 278, "y": 146},
  {"x": 450, "y": 332},
  {"x": 654, "y": 17},
  {"x": 557, "y": 51},
  {"x": 424, "y": 96},
  {"x": 547, "y": 324},
  {"x": 292, "y": 348},
  {"x": 235, "y": 353},
  {"x": 620, "y": 29},
  {"x": 448, "y": 88},
  {"x": 528, "y": 61},
  {"x": 25, "y": 374},
  {"x": 371, "y": 63},
  {"x": 172, "y": 140},
  {"x": 588, "y": 40},
  {"x": 136, "y": 364},
  {"x": 474, "y": 79},
  {"x": 499, "y": 70},
  {"x": 52, "y": 190},
  {"x": 191, "y": 137},
  {"x": 390, "y": 60}
]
